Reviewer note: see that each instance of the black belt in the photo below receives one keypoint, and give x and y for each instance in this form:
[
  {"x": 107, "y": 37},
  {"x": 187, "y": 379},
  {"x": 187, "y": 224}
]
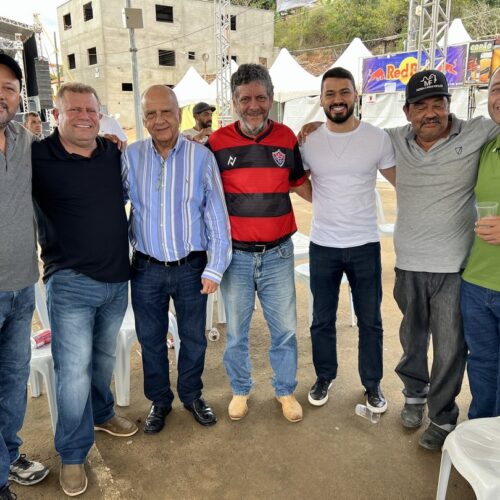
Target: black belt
[
  {"x": 174, "y": 263},
  {"x": 258, "y": 247}
]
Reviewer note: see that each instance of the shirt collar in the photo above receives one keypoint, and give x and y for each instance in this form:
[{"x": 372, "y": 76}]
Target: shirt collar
[
  {"x": 177, "y": 146},
  {"x": 496, "y": 147}
]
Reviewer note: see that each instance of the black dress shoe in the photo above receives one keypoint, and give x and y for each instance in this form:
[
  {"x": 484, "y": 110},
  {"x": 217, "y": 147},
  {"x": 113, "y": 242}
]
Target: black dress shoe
[
  {"x": 202, "y": 413},
  {"x": 155, "y": 421}
]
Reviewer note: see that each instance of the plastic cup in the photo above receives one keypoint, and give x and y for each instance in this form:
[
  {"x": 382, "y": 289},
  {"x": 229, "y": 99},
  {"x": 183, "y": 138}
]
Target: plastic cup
[
  {"x": 486, "y": 209},
  {"x": 365, "y": 412}
]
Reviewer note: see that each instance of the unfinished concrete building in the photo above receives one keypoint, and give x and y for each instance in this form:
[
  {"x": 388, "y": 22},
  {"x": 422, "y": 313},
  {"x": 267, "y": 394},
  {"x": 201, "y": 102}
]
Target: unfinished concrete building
[{"x": 176, "y": 34}]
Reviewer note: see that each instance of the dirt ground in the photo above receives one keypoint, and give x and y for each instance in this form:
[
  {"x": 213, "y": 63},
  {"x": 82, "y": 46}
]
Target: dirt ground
[{"x": 331, "y": 454}]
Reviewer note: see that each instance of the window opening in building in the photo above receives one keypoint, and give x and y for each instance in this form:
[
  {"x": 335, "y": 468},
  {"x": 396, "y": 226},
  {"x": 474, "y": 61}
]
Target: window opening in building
[
  {"x": 164, "y": 13},
  {"x": 233, "y": 23},
  {"x": 67, "y": 22},
  {"x": 71, "y": 61},
  {"x": 166, "y": 57},
  {"x": 127, "y": 87},
  {"x": 88, "y": 13},
  {"x": 191, "y": 56},
  {"x": 92, "y": 56},
  {"x": 234, "y": 58}
]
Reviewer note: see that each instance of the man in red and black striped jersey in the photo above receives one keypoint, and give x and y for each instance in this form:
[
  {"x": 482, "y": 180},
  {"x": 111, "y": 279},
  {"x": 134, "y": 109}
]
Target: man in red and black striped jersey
[{"x": 260, "y": 163}]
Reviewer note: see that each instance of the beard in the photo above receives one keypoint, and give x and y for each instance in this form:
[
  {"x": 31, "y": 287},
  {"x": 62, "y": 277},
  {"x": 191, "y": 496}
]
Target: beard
[
  {"x": 253, "y": 130},
  {"x": 339, "y": 118},
  {"x": 5, "y": 115}
]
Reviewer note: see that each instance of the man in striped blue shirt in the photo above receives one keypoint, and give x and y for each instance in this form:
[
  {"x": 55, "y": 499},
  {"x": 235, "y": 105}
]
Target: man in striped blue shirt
[{"x": 178, "y": 214}]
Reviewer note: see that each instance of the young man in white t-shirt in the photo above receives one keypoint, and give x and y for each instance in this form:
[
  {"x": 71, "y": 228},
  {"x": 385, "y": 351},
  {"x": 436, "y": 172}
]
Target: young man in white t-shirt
[{"x": 343, "y": 156}]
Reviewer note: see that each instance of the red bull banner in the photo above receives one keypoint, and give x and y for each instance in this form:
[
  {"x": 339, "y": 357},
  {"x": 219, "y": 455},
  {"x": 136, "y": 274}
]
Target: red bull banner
[
  {"x": 391, "y": 72},
  {"x": 479, "y": 62}
]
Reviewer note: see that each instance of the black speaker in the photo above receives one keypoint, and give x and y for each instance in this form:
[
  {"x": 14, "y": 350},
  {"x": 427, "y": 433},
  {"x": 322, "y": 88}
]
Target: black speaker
[{"x": 42, "y": 72}]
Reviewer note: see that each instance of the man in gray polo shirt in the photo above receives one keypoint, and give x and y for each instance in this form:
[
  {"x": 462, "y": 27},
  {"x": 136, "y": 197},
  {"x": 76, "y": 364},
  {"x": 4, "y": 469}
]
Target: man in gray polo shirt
[
  {"x": 437, "y": 157},
  {"x": 18, "y": 273}
]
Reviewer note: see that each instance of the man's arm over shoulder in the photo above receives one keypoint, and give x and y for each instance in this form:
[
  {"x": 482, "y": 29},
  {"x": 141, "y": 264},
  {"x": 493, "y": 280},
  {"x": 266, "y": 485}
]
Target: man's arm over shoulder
[
  {"x": 216, "y": 223},
  {"x": 386, "y": 164}
]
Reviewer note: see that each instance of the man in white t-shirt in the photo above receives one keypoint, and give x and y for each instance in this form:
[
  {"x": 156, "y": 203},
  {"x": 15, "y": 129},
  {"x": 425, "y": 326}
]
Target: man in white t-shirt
[{"x": 343, "y": 156}]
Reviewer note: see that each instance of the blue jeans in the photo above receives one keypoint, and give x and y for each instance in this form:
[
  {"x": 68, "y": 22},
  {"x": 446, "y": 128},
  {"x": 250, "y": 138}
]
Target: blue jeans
[
  {"x": 152, "y": 287},
  {"x": 85, "y": 318},
  {"x": 481, "y": 317},
  {"x": 16, "y": 312},
  {"x": 271, "y": 275},
  {"x": 363, "y": 269}
]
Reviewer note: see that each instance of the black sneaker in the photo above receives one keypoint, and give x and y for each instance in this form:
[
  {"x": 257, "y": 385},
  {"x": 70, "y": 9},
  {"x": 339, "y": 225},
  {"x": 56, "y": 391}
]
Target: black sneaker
[
  {"x": 375, "y": 400},
  {"x": 26, "y": 472},
  {"x": 433, "y": 438},
  {"x": 318, "y": 395},
  {"x": 412, "y": 415},
  {"x": 6, "y": 494}
]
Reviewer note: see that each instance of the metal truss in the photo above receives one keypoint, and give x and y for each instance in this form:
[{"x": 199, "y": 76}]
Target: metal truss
[
  {"x": 222, "y": 28},
  {"x": 434, "y": 22}
]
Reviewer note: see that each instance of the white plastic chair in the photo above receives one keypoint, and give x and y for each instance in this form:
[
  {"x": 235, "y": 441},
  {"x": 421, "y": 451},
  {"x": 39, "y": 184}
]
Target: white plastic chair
[
  {"x": 302, "y": 274},
  {"x": 41, "y": 364},
  {"x": 474, "y": 449},
  {"x": 126, "y": 338},
  {"x": 384, "y": 227}
]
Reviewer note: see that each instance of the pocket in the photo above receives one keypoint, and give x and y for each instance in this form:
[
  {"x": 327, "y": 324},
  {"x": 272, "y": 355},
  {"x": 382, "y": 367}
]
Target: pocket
[
  {"x": 138, "y": 264},
  {"x": 197, "y": 264},
  {"x": 285, "y": 250}
]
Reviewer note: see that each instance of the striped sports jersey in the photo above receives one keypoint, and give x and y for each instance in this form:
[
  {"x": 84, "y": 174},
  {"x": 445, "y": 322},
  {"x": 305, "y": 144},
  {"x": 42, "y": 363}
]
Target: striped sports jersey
[{"x": 257, "y": 173}]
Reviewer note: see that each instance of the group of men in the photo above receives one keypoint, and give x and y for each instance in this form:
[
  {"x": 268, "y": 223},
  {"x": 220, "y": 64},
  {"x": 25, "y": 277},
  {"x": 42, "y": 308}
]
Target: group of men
[{"x": 202, "y": 217}]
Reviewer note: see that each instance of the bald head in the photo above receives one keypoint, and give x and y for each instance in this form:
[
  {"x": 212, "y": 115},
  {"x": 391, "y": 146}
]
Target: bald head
[{"x": 161, "y": 116}]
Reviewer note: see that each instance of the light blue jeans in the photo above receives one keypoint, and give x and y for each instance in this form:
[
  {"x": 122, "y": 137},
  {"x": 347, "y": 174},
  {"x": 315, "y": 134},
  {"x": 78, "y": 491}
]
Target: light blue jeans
[
  {"x": 271, "y": 275},
  {"x": 16, "y": 312},
  {"x": 85, "y": 318}
]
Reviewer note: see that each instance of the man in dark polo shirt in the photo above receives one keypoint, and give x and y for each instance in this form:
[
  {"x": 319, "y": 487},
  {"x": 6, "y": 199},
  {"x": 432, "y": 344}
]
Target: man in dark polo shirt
[
  {"x": 259, "y": 162},
  {"x": 82, "y": 229}
]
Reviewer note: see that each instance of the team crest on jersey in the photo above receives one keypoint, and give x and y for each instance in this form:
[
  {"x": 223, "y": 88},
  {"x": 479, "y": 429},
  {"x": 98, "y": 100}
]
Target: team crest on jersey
[{"x": 279, "y": 157}]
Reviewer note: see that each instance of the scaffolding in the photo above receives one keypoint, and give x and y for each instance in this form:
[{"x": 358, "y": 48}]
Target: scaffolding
[
  {"x": 434, "y": 22},
  {"x": 222, "y": 27}
]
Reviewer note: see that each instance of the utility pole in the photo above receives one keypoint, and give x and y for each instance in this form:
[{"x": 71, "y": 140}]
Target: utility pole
[
  {"x": 222, "y": 27},
  {"x": 132, "y": 19}
]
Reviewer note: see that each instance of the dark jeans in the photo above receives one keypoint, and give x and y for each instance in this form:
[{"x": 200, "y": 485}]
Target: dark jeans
[
  {"x": 481, "y": 316},
  {"x": 430, "y": 303},
  {"x": 363, "y": 269},
  {"x": 153, "y": 285},
  {"x": 16, "y": 312}
]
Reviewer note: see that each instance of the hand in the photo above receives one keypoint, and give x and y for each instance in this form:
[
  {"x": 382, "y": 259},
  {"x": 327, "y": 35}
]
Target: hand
[
  {"x": 488, "y": 229},
  {"x": 307, "y": 129},
  {"x": 209, "y": 286},
  {"x": 121, "y": 145},
  {"x": 202, "y": 135}
]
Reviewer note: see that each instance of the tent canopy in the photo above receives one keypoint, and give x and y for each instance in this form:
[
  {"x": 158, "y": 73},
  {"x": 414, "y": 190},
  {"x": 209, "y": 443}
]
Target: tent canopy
[
  {"x": 192, "y": 88},
  {"x": 351, "y": 59},
  {"x": 457, "y": 34},
  {"x": 290, "y": 79}
]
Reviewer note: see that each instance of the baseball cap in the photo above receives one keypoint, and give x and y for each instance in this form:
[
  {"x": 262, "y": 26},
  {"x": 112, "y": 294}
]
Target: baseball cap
[
  {"x": 201, "y": 107},
  {"x": 428, "y": 83},
  {"x": 13, "y": 66}
]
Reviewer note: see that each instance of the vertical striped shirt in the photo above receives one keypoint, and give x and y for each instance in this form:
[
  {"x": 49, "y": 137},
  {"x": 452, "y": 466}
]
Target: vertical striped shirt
[{"x": 177, "y": 204}]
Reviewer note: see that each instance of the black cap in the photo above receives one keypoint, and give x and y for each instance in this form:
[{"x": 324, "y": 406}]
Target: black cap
[
  {"x": 202, "y": 107},
  {"x": 428, "y": 83},
  {"x": 13, "y": 66}
]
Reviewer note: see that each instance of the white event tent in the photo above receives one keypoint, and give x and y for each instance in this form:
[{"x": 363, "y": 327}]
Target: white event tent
[
  {"x": 192, "y": 88},
  {"x": 457, "y": 34},
  {"x": 290, "y": 79}
]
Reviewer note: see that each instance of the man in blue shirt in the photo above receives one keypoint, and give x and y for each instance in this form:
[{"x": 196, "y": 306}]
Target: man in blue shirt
[{"x": 178, "y": 215}]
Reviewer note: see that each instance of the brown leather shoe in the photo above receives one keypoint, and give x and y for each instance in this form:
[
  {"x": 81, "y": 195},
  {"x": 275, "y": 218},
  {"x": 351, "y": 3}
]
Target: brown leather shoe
[
  {"x": 118, "y": 426},
  {"x": 73, "y": 479},
  {"x": 238, "y": 407},
  {"x": 292, "y": 410}
]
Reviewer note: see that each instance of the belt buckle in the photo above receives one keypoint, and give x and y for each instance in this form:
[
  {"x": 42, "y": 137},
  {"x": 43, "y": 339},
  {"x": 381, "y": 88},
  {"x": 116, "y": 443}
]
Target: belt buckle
[{"x": 263, "y": 248}]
